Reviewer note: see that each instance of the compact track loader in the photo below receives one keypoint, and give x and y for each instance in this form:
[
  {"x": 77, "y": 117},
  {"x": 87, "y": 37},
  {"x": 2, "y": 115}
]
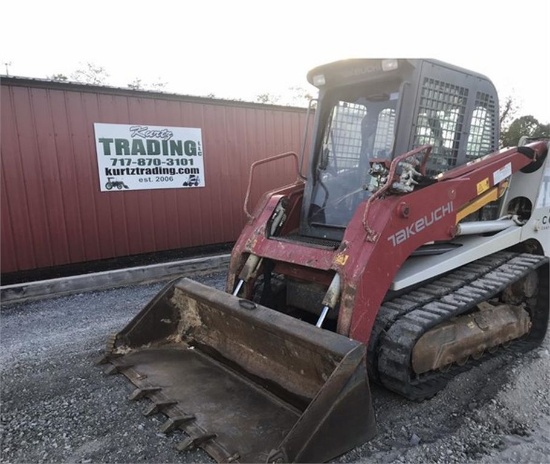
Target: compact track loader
[{"x": 410, "y": 250}]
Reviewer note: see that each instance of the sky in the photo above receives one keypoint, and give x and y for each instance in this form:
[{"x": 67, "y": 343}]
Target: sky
[{"x": 240, "y": 48}]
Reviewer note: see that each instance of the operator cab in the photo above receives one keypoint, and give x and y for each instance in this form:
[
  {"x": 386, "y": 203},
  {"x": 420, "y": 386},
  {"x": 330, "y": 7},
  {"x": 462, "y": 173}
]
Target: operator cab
[{"x": 371, "y": 110}]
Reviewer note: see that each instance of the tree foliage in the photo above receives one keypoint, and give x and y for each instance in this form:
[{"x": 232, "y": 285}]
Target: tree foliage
[
  {"x": 299, "y": 96},
  {"x": 59, "y": 77},
  {"x": 138, "y": 84},
  {"x": 91, "y": 73},
  {"x": 267, "y": 98},
  {"x": 294, "y": 96},
  {"x": 523, "y": 126},
  {"x": 512, "y": 128},
  {"x": 508, "y": 110},
  {"x": 158, "y": 85}
]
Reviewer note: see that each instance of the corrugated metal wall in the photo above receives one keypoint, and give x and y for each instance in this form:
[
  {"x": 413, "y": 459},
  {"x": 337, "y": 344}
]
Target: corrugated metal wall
[{"x": 53, "y": 212}]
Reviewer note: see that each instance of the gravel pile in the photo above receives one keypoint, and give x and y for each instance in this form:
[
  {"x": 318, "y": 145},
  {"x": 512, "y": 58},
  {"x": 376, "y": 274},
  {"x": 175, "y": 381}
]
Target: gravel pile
[{"x": 57, "y": 406}]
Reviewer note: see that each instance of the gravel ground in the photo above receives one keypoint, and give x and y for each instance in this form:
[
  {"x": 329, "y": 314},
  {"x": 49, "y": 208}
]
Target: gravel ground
[{"x": 57, "y": 406}]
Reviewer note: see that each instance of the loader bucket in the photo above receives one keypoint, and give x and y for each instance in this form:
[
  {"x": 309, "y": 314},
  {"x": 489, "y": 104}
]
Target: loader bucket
[{"x": 244, "y": 382}]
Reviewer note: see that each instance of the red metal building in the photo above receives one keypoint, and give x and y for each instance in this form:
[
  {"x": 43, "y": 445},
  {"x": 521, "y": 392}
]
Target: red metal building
[{"x": 52, "y": 210}]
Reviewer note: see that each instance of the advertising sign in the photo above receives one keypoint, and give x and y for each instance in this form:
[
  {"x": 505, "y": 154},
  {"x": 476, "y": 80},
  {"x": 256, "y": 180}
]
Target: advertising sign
[{"x": 140, "y": 157}]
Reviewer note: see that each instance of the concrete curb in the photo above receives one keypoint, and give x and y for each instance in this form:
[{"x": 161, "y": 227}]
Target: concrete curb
[{"x": 52, "y": 288}]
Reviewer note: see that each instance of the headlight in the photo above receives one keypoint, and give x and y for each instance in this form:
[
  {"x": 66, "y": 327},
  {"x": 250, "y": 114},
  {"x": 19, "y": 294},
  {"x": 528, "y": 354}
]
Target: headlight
[
  {"x": 319, "y": 80},
  {"x": 389, "y": 65}
]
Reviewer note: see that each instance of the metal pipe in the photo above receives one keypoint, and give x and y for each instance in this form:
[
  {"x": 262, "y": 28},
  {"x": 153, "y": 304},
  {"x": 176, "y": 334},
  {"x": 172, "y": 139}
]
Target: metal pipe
[
  {"x": 482, "y": 227},
  {"x": 238, "y": 287},
  {"x": 322, "y": 316},
  {"x": 249, "y": 269},
  {"x": 331, "y": 299}
]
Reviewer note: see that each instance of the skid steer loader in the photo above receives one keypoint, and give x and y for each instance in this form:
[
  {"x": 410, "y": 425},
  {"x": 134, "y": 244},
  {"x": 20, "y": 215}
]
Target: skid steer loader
[{"x": 410, "y": 250}]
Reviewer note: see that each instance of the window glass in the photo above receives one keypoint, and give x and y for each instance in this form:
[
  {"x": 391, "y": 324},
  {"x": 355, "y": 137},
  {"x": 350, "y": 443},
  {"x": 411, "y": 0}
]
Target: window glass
[{"x": 358, "y": 131}]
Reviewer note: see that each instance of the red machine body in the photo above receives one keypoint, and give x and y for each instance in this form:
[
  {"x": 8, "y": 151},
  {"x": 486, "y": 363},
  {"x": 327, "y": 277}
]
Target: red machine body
[{"x": 381, "y": 236}]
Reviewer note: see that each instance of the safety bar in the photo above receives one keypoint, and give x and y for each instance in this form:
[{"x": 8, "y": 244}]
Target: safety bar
[{"x": 266, "y": 160}]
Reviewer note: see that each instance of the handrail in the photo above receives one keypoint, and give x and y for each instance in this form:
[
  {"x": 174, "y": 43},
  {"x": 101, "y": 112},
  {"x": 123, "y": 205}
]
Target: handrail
[{"x": 257, "y": 163}]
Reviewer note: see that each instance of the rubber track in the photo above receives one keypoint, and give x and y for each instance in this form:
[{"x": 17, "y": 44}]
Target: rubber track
[{"x": 403, "y": 320}]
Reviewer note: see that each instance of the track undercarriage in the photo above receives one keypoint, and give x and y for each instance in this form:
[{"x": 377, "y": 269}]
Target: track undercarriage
[{"x": 469, "y": 298}]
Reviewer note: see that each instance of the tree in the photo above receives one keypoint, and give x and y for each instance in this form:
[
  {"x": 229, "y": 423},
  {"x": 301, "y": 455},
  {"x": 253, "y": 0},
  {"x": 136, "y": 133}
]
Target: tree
[
  {"x": 525, "y": 125},
  {"x": 91, "y": 74},
  {"x": 299, "y": 96},
  {"x": 294, "y": 96},
  {"x": 138, "y": 84},
  {"x": 159, "y": 85},
  {"x": 507, "y": 112},
  {"x": 59, "y": 77},
  {"x": 267, "y": 98}
]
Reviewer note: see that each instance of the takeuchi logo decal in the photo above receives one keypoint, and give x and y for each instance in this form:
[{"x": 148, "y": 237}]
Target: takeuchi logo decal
[{"x": 420, "y": 224}]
